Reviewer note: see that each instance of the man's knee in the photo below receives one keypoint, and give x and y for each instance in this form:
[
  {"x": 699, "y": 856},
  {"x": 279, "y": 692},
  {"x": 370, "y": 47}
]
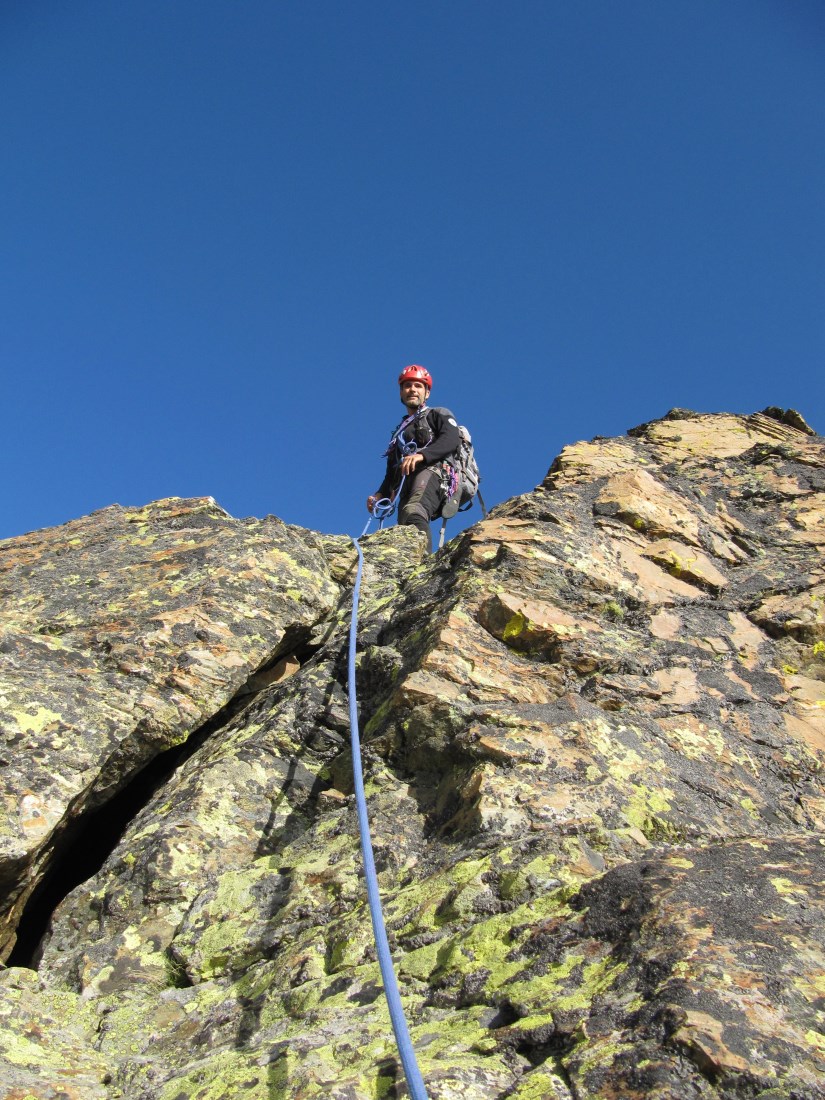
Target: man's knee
[{"x": 415, "y": 514}]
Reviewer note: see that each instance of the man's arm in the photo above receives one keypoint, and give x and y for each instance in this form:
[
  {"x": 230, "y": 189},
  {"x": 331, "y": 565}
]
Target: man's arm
[{"x": 387, "y": 487}]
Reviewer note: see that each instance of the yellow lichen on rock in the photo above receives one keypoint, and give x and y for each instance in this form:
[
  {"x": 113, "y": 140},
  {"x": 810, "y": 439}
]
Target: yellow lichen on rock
[{"x": 595, "y": 777}]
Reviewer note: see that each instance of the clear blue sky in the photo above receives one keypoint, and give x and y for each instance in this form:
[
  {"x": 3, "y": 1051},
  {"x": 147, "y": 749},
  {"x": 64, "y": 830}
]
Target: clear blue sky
[{"x": 228, "y": 224}]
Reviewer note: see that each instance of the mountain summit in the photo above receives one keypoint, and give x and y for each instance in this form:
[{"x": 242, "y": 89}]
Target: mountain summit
[{"x": 594, "y": 736}]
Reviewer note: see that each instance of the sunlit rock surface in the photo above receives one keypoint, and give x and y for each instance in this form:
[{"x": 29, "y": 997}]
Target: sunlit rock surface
[{"x": 594, "y": 732}]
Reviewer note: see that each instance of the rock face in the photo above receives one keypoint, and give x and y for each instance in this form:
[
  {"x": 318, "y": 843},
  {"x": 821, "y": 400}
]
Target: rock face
[{"x": 594, "y": 734}]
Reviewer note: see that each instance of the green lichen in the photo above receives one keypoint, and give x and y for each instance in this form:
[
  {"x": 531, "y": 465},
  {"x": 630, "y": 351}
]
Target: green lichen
[
  {"x": 488, "y": 946},
  {"x": 645, "y": 809},
  {"x": 380, "y": 717},
  {"x": 811, "y": 986},
  {"x": 21, "y": 1051},
  {"x": 49, "y": 1032},
  {"x": 516, "y": 626},
  {"x": 624, "y": 764},
  {"x": 695, "y": 744},
  {"x": 675, "y": 565},
  {"x": 514, "y": 883},
  {"x": 223, "y": 1076},
  {"x": 455, "y": 1040},
  {"x": 788, "y": 890},
  {"x": 37, "y": 722},
  {"x": 423, "y": 903},
  {"x": 598, "y": 1056},
  {"x": 539, "y": 1084},
  {"x": 681, "y": 862},
  {"x": 816, "y": 1039}
]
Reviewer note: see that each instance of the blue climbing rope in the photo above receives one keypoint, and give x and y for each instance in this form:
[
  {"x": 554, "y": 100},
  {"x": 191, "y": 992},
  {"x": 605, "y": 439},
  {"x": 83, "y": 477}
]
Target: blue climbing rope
[{"x": 415, "y": 1082}]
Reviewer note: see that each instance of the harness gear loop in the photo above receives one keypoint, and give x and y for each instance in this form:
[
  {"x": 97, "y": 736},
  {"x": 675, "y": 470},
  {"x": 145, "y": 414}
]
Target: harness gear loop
[{"x": 415, "y": 1082}]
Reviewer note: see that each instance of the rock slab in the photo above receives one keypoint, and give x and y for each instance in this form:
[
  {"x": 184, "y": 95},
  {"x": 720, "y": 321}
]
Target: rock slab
[{"x": 594, "y": 743}]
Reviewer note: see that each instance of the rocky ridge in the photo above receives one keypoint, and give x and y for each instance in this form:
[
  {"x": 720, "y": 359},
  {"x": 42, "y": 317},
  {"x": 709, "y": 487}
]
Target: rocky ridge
[{"x": 594, "y": 733}]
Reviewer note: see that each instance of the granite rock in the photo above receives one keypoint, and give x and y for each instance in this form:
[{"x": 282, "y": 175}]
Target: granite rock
[{"x": 593, "y": 741}]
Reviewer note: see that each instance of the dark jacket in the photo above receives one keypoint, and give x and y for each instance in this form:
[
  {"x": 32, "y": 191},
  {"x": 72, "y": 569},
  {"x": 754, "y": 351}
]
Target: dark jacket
[{"x": 435, "y": 433}]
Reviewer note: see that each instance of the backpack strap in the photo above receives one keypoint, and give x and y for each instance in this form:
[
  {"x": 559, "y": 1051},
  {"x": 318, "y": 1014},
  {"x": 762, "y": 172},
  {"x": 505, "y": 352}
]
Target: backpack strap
[
  {"x": 447, "y": 413},
  {"x": 410, "y": 421}
]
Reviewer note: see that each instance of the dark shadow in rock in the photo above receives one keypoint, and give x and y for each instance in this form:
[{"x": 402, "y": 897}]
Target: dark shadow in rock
[{"x": 81, "y": 847}]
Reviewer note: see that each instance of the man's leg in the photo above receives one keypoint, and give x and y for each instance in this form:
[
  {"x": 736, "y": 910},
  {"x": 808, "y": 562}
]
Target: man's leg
[{"x": 421, "y": 505}]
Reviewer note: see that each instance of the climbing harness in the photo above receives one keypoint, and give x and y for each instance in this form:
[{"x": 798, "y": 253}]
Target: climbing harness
[{"x": 415, "y": 1082}]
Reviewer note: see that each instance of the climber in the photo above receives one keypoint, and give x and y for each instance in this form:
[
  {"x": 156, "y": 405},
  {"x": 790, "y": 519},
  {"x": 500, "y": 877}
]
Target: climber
[{"x": 416, "y": 454}]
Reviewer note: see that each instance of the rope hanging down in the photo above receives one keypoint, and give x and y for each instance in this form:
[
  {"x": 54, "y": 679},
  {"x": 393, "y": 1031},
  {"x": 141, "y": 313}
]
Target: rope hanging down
[{"x": 415, "y": 1082}]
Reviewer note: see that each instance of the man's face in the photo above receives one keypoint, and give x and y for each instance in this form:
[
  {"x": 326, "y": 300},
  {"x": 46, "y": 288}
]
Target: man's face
[{"x": 413, "y": 393}]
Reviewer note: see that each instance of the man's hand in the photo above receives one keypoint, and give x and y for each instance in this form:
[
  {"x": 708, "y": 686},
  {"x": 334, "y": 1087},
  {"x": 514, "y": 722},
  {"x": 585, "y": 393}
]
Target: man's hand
[
  {"x": 409, "y": 463},
  {"x": 371, "y": 501}
]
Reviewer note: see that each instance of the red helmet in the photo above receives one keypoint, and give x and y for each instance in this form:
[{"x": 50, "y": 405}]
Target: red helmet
[{"x": 415, "y": 373}]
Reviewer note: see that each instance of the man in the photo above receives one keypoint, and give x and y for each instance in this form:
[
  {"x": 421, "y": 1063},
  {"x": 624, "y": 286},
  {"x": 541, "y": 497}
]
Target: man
[{"x": 417, "y": 450}]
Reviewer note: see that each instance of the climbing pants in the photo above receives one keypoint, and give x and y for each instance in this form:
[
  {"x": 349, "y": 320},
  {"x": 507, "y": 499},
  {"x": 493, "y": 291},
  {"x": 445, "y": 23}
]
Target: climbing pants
[{"x": 422, "y": 503}]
